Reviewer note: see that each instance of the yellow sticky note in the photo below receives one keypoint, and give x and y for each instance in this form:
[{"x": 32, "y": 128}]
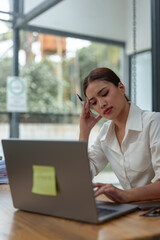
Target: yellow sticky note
[{"x": 44, "y": 180}]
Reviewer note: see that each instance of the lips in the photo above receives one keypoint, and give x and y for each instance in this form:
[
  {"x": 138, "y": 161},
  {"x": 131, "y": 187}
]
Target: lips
[{"x": 108, "y": 110}]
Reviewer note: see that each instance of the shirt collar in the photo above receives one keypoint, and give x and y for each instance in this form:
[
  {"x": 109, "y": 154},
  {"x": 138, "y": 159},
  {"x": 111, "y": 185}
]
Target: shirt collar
[
  {"x": 109, "y": 131},
  {"x": 134, "y": 122}
]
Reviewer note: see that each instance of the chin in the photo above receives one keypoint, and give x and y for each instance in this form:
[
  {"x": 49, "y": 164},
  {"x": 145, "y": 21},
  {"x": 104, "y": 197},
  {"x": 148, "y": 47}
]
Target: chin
[{"x": 107, "y": 117}]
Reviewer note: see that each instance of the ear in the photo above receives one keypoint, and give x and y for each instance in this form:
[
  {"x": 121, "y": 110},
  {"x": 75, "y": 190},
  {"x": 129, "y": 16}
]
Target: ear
[{"x": 121, "y": 87}]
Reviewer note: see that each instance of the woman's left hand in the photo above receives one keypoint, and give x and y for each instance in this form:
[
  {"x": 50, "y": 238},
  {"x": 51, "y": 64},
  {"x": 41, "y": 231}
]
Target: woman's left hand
[{"x": 112, "y": 192}]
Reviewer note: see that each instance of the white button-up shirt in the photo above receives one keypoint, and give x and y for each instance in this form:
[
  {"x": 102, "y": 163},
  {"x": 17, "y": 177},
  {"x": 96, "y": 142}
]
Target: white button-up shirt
[{"x": 137, "y": 161}]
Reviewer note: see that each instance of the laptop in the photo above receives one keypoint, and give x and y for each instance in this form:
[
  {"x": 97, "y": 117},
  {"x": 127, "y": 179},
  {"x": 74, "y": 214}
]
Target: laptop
[{"x": 53, "y": 178}]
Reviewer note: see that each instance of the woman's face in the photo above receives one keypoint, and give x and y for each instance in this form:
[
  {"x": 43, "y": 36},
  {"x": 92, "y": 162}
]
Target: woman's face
[{"x": 106, "y": 99}]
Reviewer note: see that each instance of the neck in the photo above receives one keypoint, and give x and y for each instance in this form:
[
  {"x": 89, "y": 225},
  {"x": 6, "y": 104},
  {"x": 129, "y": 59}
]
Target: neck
[{"x": 120, "y": 122}]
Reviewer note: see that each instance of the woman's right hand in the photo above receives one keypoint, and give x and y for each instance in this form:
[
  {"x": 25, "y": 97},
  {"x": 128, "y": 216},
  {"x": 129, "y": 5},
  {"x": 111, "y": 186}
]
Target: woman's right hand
[{"x": 87, "y": 121}]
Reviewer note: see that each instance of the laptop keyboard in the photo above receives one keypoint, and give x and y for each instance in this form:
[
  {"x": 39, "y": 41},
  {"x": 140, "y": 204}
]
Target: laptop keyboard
[{"x": 104, "y": 211}]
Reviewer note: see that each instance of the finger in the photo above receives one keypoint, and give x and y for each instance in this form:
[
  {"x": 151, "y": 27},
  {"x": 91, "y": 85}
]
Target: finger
[
  {"x": 99, "y": 191},
  {"x": 101, "y": 184},
  {"x": 84, "y": 112},
  {"x": 104, "y": 188},
  {"x": 98, "y": 185},
  {"x": 88, "y": 105},
  {"x": 84, "y": 105},
  {"x": 98, "y": 118},
  {"x": 112, "y": 193}
]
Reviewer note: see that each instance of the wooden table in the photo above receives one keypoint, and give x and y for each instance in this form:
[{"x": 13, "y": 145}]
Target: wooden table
[{"x": 19, "y": 225}]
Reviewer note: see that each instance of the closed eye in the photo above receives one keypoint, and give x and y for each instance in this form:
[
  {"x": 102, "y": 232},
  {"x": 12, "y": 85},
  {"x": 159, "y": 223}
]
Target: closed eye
[
  {"x": 102, "y": 95},
  {"x": 105, "y": 94},
  {"x": 93, "y": 103}
]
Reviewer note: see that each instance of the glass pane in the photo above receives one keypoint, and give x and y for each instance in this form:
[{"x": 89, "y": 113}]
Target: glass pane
[
  {"x": 6, "y": 54},
  {"x": 5, "y": 6},
  {"x": 143, "y": 80}
]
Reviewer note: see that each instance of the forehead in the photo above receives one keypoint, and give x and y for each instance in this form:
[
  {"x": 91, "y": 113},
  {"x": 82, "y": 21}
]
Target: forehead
[{"x": 96, "y": 86}]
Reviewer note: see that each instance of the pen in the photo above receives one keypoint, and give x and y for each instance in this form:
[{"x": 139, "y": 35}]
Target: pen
[{"x": 81, "y": 100}]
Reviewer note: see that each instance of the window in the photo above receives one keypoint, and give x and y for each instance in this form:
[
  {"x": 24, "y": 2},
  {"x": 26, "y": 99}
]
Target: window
[{"x": 143, "y": 80}]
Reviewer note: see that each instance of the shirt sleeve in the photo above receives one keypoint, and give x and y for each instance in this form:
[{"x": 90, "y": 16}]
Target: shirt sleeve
[
  {"x": 155, "y": 145},
  {"x": 98, "y": 159}
]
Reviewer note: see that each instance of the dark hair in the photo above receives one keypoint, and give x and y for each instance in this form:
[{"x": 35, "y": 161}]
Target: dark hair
[{"x": 102, "y": 74}]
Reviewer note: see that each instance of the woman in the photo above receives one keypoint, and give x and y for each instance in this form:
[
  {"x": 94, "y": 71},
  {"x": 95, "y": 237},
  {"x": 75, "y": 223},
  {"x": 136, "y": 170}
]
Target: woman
[{"x": 129, "y": 140}]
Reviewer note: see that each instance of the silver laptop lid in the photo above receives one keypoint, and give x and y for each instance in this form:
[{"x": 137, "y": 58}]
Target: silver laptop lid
[{"x": 74, "y": 198}]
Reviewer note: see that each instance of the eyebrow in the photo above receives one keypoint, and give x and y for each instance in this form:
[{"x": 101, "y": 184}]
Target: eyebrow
[{"x": 98, "y": 93}]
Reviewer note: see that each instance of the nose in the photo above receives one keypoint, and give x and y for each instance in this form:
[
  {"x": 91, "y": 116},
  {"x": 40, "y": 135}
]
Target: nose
[{"x": 102, "y": 103}]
